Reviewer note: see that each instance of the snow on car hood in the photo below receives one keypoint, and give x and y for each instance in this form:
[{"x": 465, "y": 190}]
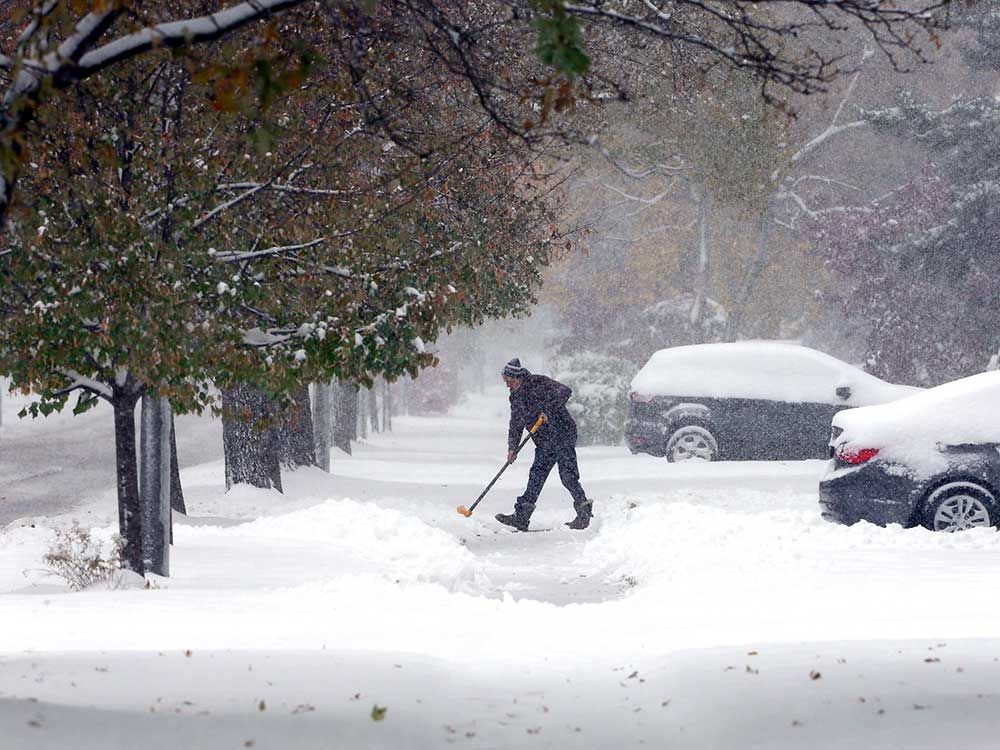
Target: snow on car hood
[
  {"x": 911, "y": 429},
  {"x": 768, "y": 370}
]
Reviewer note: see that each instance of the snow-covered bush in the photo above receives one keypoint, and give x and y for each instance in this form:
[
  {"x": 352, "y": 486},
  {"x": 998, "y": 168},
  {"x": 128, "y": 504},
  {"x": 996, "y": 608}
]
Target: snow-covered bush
[
  {"x": 600, "y": 394},
  {"x": 81, "y": 561}
]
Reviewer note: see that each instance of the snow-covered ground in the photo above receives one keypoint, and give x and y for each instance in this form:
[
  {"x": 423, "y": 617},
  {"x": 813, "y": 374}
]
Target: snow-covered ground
[{"x": 708, "y": 606}]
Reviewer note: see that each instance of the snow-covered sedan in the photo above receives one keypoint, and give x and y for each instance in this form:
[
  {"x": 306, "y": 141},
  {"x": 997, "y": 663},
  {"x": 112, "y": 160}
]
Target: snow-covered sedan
[
  {"x": 931, "y": 459},
  {"x": 750, "y": 400}
]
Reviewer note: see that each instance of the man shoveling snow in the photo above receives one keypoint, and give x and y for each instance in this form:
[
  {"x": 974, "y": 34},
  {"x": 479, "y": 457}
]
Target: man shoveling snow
[{"x": 555, "y": 442}]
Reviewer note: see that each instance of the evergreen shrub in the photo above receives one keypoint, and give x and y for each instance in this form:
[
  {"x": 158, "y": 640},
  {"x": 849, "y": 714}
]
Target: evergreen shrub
[{"x": 600, "y": 394}]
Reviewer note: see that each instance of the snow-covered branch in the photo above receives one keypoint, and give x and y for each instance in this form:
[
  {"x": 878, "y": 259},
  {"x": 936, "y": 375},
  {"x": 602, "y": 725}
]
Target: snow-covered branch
[
  {"x": 634, "y": 173},
  {"x": 339, "y": 271},
  {"x": 259, "y": 339},
  {"x": 833, "y": 128},
  {"x": 203, "y": 220},
  {"x": 651, "y": 201},
  {"x": 78, "y": 57},
  {"x": 181, "y": 33},
  {"x": 236, "y": 257},
  {"x": 826, "y": 180},
  {"x": 819, "y": 140},
  {"x": 82, "y": 382},
  {"x": 277, "y": 187}
]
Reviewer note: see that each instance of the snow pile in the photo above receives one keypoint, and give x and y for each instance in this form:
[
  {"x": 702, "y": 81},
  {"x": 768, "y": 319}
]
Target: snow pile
[
  {"x": 360, "y": 538},
  {"x": 670, "y": 543},
  {"x": 910, "y": 430},
  {"x": 774, "y": 562},
  {"x": 766, "y": 370}
]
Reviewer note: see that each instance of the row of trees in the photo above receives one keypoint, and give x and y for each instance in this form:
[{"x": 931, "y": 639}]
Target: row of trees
[
  {"x": 284, "y": 192},
  {"x": 174, "y": 246},
  {"x": 922, "y": 262},
  {"x": 713, "y": 223}
]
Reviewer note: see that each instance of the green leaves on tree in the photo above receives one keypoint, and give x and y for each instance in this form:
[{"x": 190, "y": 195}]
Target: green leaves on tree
[{"x": 559, "y": 44}]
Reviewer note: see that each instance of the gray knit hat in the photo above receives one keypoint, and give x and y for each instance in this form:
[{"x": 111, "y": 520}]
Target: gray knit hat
[{"x": 513, "y": 369}]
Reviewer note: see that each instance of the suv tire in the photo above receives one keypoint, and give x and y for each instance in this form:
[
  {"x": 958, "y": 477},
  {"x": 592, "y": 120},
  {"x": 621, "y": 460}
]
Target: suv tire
[
  {"x": 691, "y": 440},
  {"x": 960, "y": 505}
]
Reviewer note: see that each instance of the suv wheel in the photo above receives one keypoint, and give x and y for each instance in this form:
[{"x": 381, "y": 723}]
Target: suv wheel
[
  {"x": 958, "y": 506},
  {"x": 692, "y": 441}
]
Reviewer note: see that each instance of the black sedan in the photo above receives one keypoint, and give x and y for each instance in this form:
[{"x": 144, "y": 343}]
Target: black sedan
[{"x": 932, "y": 459}]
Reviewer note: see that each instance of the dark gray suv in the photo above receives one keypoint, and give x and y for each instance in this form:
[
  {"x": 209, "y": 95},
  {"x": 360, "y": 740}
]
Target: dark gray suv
[{"x": 750, "y": 400}]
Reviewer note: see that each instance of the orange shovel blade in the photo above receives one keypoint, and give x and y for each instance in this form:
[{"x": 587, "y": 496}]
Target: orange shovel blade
[{"x": 463, "y": 511}]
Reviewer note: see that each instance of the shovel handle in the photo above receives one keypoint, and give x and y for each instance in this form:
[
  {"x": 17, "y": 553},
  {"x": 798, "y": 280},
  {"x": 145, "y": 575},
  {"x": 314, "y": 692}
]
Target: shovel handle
[
  {"x": 542, "y": 419},
  {"x": 462, "y": 510}
]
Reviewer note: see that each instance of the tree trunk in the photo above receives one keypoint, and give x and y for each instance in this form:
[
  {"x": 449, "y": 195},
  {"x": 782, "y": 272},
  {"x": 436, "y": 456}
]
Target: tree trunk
[
  {"x": 176, "y": 491},
  {"x": 386, "y": 406},
  {"x": 345, "y": 415},
  {"x": 701, "y": 271},
  {"x": 363, "y": 413},
  {"x": 760, "y": 262},
  {"x": 352, "y": 400},
  {"x": 127, "y": 471},
  {"x": 402, "y": 405},
  {"x": 154, "y": 484},
  {"x": 249, "y": 440},
  {"x": 321, "y": 424},
  {"x": 373, "y": 408},
  {"x": 296, "y": 442}
]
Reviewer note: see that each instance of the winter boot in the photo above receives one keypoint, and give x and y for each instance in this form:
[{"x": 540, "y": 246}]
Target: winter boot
[
  {"x": 583, "y": 514},
  {"x": 519, "y": 519}
]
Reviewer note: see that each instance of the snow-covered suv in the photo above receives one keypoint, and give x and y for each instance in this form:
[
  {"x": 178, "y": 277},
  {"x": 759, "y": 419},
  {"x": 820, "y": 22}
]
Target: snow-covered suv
[{"x": 751, "y": 400}]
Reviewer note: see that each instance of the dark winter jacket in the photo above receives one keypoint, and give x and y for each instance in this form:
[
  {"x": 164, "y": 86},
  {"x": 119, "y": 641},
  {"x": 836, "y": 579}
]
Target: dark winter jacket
[{"x": 538, "y": 394}]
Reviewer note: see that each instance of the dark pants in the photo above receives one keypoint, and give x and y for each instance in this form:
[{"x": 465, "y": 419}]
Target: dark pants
[{"x": 547, "y": 456}]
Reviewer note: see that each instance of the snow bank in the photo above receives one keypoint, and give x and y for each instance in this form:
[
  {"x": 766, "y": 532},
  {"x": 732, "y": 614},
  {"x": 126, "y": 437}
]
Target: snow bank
[
  {"x": 398, "y": 547},
  {"x": 766, "y": 370},
  {"x": 707, "y": 575},
  {"x": 321, "y": 545},
  {"x": 910, "y": 430}
]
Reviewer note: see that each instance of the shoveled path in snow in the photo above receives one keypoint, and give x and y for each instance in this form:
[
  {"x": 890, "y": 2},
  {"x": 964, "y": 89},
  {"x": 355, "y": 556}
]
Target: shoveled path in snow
[{"x": 431, "y": 465}]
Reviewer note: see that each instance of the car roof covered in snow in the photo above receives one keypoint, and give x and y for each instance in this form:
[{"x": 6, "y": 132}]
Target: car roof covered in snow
[
  {"x": 965, "y": 411},
  {"x": 766, "y": 370}
]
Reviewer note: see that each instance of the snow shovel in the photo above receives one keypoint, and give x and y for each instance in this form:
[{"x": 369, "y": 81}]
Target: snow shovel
[{"x": 462, "y": 510}]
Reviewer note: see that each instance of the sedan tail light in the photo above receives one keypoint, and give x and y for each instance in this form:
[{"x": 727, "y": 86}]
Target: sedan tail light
[{"x": 855, "y": 457}]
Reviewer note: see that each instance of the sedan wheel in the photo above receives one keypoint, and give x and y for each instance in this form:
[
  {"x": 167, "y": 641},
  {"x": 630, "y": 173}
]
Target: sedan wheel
[
  {"x": 692, "y": 441},
  {"x": 960, "y": 507}
]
